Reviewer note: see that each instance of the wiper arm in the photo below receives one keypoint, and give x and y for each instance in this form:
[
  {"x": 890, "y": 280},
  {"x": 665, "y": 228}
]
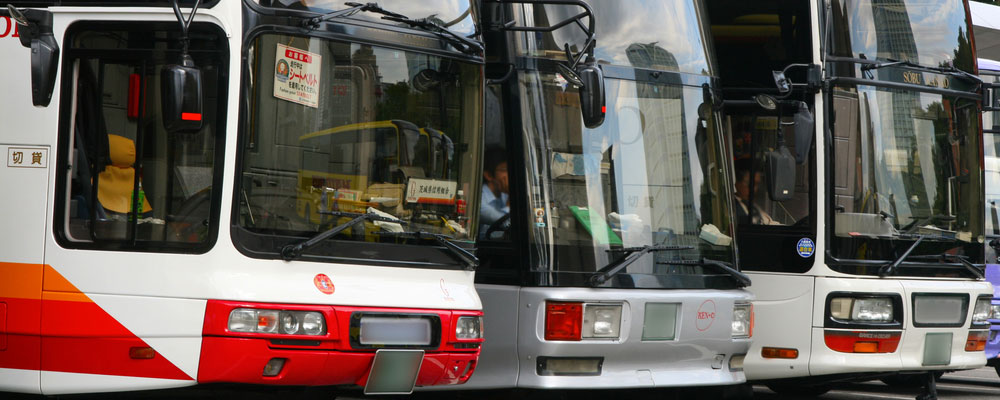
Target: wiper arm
[
  {"x": 964, "y": 260},
  {"x": 889, "y": 268},
  {"x": 631, "y": 255},
  {"x": 470, "y": 260},
  {"x": 742, "y": 280},
  {"x": 950, "y": 70},
  {"x": 355, "y": 8},
  {"x": 293, "y": 251},
  {"x": 917, "y": 223},
  {"x": 463, "y": 44}
]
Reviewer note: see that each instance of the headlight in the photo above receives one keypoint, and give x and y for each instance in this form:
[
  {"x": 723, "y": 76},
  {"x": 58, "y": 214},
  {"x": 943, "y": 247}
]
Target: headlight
[
  {"x": 742, "y": 320},
  {"x": 865, "y": 309},
  {"x": 602, "y": 321},
  {"x": 995, "y": 311},
  {"x": 469, "y": 327},
  {"x": 251, "y": 320},
  {"x": 981, "y": 314}
]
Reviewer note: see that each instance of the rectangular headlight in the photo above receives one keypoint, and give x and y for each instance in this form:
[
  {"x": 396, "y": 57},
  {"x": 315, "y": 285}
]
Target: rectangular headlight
[
  {"x": 249, "y": 320},
  {"x": 981, "y": 313},
  {"x": 742, "y": 320},
  {"x": 602, "y": 321},
  {"x": 995, "y": 311},
  {"x": 862, "y": 309},
  {"x": 469, "y": 327}
]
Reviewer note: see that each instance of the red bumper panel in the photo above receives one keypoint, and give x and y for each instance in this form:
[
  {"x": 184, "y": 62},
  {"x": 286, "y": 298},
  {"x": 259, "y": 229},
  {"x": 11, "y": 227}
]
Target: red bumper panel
[{"x": 328, "y": 359}]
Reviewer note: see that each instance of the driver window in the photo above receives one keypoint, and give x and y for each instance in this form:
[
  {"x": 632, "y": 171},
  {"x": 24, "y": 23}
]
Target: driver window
[{"x": 133, "y": 185}]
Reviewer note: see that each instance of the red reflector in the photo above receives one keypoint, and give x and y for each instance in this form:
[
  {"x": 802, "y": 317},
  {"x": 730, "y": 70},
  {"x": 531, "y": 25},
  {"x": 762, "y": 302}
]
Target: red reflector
[
  {"x": 604, "y": 109},
  {"x": 563, "y": 321},
  {"x": 133, "y": 96},
  {"x": 862, "y": 341},
  {"x": 776, "y": 352},
  {"x": 191, "y": 116},
  {"x": 141, "y": 353},
  {"x": 976, "y": 341}
]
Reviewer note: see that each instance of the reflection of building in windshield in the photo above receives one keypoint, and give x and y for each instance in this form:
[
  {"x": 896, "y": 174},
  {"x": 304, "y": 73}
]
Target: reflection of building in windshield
[{"x": 666, "y": 182}]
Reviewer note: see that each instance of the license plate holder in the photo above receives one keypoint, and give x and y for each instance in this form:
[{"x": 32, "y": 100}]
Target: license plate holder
[
  {"x": 937, "y": 348},
  {"x": 394, "y": 371}
]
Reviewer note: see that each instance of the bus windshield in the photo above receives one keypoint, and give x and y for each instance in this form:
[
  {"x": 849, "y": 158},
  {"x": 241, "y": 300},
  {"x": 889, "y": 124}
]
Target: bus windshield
[
  {"x": 652, "y": 174},
  {"x": 932, "y": 33},
  {"x": 339, "y": 129},
  {"x": 907, "y": 162}
]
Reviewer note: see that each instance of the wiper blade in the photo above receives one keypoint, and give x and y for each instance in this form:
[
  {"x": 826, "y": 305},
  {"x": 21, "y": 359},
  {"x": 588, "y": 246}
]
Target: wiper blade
[
  {"x": 976, "y": 269},
  {"x": 355, "y": 8},
  {"x": 470, "y": 260},
  {"x": 631, "y": 255},
  {"x": 949, "y": 70},
  {"x": 917, "y": 223},
  {"x": 464, "y": 44},
  {"x": 742, "y": 280},
  {"x": 293, "y": 251}
]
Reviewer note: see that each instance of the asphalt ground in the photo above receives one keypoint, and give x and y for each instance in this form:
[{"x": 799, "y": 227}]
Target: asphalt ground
[{"x": 980, "y": 384}]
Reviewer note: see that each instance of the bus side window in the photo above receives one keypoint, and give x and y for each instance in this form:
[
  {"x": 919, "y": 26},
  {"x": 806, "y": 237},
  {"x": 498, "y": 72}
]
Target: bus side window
[
  {"x": 495, "y": 247},
  {"x": 133, "y": 185}
]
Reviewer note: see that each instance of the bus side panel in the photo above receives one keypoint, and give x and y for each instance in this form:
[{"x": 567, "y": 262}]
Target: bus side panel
[
  {"x": 24, "y": 176},
  {"x": 782, "y": 310}
]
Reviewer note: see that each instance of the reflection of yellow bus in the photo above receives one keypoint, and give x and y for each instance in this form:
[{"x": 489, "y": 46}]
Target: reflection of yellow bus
[{"x": 356, "y": 166}]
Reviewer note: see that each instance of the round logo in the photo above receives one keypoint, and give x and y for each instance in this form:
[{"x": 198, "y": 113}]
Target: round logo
[
  {"x": 706, "y": 315},
  {"x": 805, "y": 247},
  {"x": 323, "y": 283}
]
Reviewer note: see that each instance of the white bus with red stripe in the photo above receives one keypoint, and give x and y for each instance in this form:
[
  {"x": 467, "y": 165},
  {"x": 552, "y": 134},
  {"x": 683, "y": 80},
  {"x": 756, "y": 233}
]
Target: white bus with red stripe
[{"x": 157, "y": 230}]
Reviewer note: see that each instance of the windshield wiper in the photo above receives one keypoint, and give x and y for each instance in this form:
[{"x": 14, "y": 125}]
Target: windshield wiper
[
  {"x": 891, "y": 267},
  {"x": 462, "y": 43},
  {"x": 742, "y": 280},
  {"x": 470, "y": 260},
  {"x": 964, "y": 260},
  {"x": 293, "y": 251},
  {"x": 949, "y": 70},
  {"x": 313, "y": 23},
  {"x": 631, "y": 255}
]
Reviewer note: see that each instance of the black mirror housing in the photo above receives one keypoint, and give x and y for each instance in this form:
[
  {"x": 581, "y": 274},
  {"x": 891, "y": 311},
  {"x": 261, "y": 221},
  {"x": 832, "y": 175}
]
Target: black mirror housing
[
  {"x": 36, "y": 34},
  {"x": 780, "y": 174},
  {"x": 805, "y": 125},
  {"x": 181, "y": 88},
  {"x": 592, "y": 101}
]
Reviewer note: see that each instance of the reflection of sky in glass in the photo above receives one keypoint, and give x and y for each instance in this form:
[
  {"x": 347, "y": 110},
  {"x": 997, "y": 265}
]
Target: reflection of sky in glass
[
  {"x": 669, "y": 25},
  {"x": 935, "y": 26},
  {"x": 448, "y": 11}
]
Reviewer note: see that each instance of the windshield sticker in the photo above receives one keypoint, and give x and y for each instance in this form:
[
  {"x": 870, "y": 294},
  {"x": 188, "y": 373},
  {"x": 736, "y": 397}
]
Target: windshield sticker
[
  {"x": 296, "y": 76},
  {"x": 323, "y": 283},
  {"x": 805, "y": 247}
]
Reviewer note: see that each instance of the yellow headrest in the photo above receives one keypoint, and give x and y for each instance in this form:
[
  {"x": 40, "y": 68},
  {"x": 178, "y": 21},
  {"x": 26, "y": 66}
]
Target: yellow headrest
[{"x": 122, "y": 151}]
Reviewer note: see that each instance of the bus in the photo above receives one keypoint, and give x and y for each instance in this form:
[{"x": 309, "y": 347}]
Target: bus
[
  {"x": 616, "y": 265},
  {"x": 856, "y": 141},
  {"x": 152, "y": 236},
  {"x": 989, "y": 71}
]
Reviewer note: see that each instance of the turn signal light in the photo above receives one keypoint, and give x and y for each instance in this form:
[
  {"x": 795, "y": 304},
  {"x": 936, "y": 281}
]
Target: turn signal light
[
  {"x": 976, "y": 341},
  {"x": 777, "y": 352},
  {"x": 862, "y": 341},
  {"x": 141, "y": 353},
  {"x": 563, "y": 321}
]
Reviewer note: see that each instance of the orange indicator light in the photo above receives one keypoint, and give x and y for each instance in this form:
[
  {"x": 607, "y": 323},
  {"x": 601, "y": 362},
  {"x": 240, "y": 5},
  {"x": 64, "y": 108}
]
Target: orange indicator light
[
  {"x": 976, "y": 341},
  {"x": 141, "y": 353},
  {"x": 777, "y": 352},
  {"x": 866, "y": 347}
]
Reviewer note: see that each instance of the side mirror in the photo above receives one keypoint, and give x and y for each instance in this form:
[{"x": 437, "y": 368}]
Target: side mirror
[
  {"x": 592, "y": 103},
  {"x": 180, "y": 86},
  {"x": 805, "y": 126},
  {"x": 36, "y": 34}
]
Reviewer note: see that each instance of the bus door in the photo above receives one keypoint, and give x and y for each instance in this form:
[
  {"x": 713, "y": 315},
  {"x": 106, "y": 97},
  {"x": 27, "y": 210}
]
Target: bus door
[{"x": 27, "y": 137}]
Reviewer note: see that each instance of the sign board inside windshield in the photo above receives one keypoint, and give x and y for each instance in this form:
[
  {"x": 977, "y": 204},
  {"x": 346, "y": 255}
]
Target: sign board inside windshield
[{"x": 296, "y": 75}]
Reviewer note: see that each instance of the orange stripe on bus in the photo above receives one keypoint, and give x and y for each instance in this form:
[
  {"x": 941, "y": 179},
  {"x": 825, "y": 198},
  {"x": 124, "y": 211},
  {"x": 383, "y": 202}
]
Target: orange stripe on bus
[
  {"x": 55, "y": 282},
  {"x": 20, "y": 281},
  {"x": 65, "y": 296}
]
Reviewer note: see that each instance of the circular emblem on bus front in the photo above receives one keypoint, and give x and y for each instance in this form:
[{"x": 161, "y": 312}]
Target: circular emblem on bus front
[
  {"x": 706, "y": 315},
  {"x": 805, "y": 247},
  {"x": 323, "y": 283}
]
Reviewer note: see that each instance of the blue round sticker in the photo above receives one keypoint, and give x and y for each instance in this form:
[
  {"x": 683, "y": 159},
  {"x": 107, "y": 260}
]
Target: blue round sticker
[{"x": 805, "y": 247}]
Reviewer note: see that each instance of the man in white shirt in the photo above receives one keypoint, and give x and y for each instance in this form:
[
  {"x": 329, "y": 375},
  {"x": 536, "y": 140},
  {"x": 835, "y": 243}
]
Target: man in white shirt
[{"x": 495, "y": 200}]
